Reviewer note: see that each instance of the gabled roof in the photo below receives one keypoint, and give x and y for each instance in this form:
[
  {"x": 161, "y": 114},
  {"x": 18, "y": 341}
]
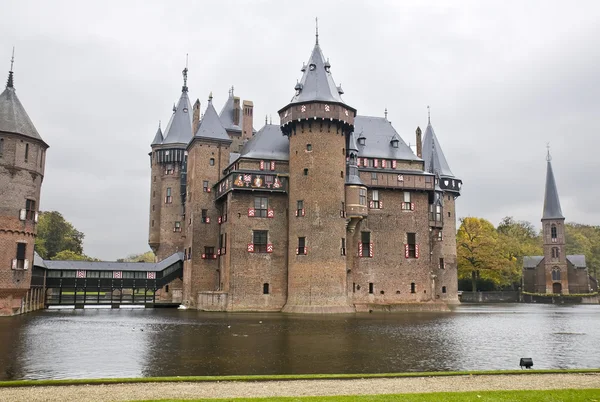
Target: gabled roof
[
  {"x": 532, "y": 261},
  {"x": 210, "y": 126},
  {"x": 179, "y": 129},
  {"x": 226, "y": 115},
  {"x": 317, "y": 82},
  {"x": 578, "y": 260},
  {"x": 268, "y": 143},
  {"x": 435, "y": 161},
  {"x": 158, "y": 138},
  {"x": 552, "y": 208},
  {"x": 378, "y": 133},
  {"x": 13, "y": 117},
  {"x": 108, "y": 265}
]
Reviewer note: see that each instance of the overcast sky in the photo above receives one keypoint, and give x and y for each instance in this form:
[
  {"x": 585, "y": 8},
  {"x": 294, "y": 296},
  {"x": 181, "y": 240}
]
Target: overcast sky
[{"x": 503, "y": 78}]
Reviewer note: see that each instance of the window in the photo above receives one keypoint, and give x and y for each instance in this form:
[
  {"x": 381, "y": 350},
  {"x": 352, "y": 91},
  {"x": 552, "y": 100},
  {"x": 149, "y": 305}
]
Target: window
[
  {"x": 342, "y": 174},
  {"x": 106, "y": 274},
  {"x": 128, "y": 274},
  {"x": 413, "y": 288},
  {"x": 442, "y": 265},
  {"x": 205, "y": 218},
  {"x": 169, "y": 169},
  {"x": 309, "y": 147},
  {"x": 362, "y": 196},
  {"x": 301, "y": 245},
  {"x": 361, "y": 140},
  {"x": 305, "y": 172},
  {"x": 555, "y": 252},
  {"x": 209, "y": 252},
  {"x": 265, "y": 288},
  {"x": 411, "y": 242},
  {"x": 205, "y": 186},
  {"x": 30, "y": 209},
  {"x": 140, "y": 275},
  {"x": 223, "y": 242},
  {"x": 152, "y": 222},
  {"x": 261, "y": 205},
  {"x": 365, "y": 244},
  {"x": 177, "y": 227},
  {"x": 153, "y": 193},
  {"x": 370, "y": 163},
  {"x": 26, "y": 152},
  {"x": 211, "y": 162},
  {"x": 153, "y": 208},
  {"x": 438, "y": 212},
  {"x": 259, "y": 238},
  {"x": 376, "y": 199},
  {"x": 92, "y": 274},
  {"x": 443, "y": 289},
  {"x": 167, "y": 289},
  {"x": 300, "y": 208},
  {"x": 53, "y": 274},
  {"x": 555, "y": 274},
  {"x": 371, "y": 288},
  {"x": 449, "y": 214},
  {"x": 169, "y": 197},
  {"x": 21, "y": 254},
  {"x": 343, "y": 246},
  {"x": 406, "y": 205},
  {"x": 553, "y": 233},
  {"x": 1, "y": 146}
]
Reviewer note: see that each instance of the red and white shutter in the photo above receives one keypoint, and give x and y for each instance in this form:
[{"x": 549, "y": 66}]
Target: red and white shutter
[
  {"x": 376, "y": 162},
  {"x": 383, "y": 163},
  {"x": 358, "y": 162},
  {"x": 371, "y": 204},
  {"x": 269, "y": 248},
  {"x": 394, "y": 164},
  {"x": 416, "y": 251},
  {"x": 151, "y": 275},
  {"x": 380, "y": 204},
  {"x": 214, "y": 256},
  {"x": 26, "y": 265},
  {"x": 406, "y": 251},
  {"x": 272, "y": 165},
  {"x": 296, "y": 250},
  {"x": 36, "y": 217},
  {"x": 220, "y": 220},
  {"x": 218, "y": 251},
  {"x": 14, "y": 263},
  {"x": 360, "y": 249},
  {"x": 296, "y": 212},
  {"x": 261, "y": 165},
  {"x": 371, "y": 250},
  {"x": 250, "y": 247},
  {"x": 223, "y": 250},
  {"x": 251, "y": 212},
  {"x": 118, "y": 274},
  {"x": 302, "y": 211},
  {"x": 305, "y": 250},
  {"x": 80, "y": 274},
  {"x": 207, "y": 219},
  {"x": 412, "y": 206},
  {"x": 270, "y": 213}
]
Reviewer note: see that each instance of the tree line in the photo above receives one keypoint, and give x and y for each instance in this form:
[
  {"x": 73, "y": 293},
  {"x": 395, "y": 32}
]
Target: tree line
[{"x": 491, "y": 258}]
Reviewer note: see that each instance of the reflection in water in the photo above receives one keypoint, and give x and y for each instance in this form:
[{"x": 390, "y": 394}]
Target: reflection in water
[{"x": 133, "y": 343}]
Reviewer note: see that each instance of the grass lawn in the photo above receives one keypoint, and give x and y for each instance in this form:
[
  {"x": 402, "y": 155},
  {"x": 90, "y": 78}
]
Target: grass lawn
[{"x": 563, "y": 395}]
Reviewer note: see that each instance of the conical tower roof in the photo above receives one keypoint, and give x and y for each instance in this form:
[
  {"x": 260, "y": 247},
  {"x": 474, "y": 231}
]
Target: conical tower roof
[
  {"x": 210, "y": 126},
  {"x": 13, "y": 117},
  {"x": 179, "y": 129},
  {"x": 552, "y": 208},
  {"x": 435, "y": 161},
  {"x": 158, "y": 138}
]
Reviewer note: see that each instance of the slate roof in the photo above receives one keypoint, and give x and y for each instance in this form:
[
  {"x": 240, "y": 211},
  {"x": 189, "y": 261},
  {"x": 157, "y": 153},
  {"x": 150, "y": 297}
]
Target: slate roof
[
  {"x": 108, "y": 265},
  {"x": 13, "y": 117},
  {"x": 578, "y": 260},
  {"x": 210, "y": 126},
  {"x": 378, "y": 133},
  {"x": 532, "y": 261},
  {"x": 317, "y": 82},
  {"x": 435, "y": 161},
  {"x": 268, "y": 143},
  {"x": 179, "y": 129},
  {"x": 552, "y": 208},
  {"x": 158, "y": 138},
  {"x": 226, "y": 115}
]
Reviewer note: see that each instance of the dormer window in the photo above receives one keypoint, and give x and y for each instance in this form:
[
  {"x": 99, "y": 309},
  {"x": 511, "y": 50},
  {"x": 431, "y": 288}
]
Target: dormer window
[
  {"x": 553, "y": 233},
  {"x": 312, "y": 67},
  {"x": 361, "y": 140},
  {"x": 395, "y": 143}
]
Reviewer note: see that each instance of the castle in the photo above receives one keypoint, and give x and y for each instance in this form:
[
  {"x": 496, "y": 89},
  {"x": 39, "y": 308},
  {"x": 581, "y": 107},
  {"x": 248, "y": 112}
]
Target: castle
[{"x": 327, "y": 212}]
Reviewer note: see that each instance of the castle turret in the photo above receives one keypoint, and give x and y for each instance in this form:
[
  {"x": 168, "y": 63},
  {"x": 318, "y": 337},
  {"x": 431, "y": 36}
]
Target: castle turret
[
  {"x": 168, "y": 182},
  {"x": 318, "y": 123},
  {"x": 22, "y": 163},
  {"x": 553, "y": 223}
]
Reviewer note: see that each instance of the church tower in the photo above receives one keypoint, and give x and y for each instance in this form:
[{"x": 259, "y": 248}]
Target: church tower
[
  {"x": 555, "y": 258},
  {"x": 22, "y": 162},
  {"x": 318, "y": 124},
  {"x": 168, "y": 181}
]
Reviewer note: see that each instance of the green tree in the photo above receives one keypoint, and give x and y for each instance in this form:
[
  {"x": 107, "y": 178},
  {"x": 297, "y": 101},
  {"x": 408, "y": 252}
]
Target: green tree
[
  {"x": 480, "y": 254},
  {"x": 584, "y": 239},
  {"x": 517, "y": 239},
  {"x": 68, "y": 255},
  {"x": 148, "y": 256},
  {"x": 55, "y": 234}
]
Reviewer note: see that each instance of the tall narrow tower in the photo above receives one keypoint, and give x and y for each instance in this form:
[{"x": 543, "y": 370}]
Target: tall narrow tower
[
  {"x": 22, "y": 161},
  {"x": 555, "y": 258},
  {"x": 318, "y": 124}
]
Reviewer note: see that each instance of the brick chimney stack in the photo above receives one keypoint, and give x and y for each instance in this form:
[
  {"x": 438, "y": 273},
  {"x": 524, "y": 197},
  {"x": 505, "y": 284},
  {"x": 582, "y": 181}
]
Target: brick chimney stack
[
  {"x": 196, "y": 118},
  {"x": 248, "y": 107},
  {"x": 236, "y": 110},
  {"x": 419, "y": 143}
]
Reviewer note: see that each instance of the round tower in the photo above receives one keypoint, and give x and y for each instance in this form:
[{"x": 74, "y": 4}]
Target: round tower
[
  {"x": 22, "y": 161},
  {"x": 318, "y": 124}
]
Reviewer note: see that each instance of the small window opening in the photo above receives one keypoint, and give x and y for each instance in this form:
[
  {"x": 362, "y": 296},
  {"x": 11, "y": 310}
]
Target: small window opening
[
  {"x": 365, "y": 238},
  {"x": 449, "y": 214},
  {"x": 382, "y": 292},
  {"x": 353, "y": 287},
  {"x": 211, "y": 162},
  {"x": 443, "y": 289},
  {"x": 305, "y": 172},
  {"x": 413, "y": 288},
  {"x": 309, "y": 147},
  {"x": 301, "y": 244},
  {"x": 167, "y": 289},
  {"x": 370, "y": 287},
  {"x": 342, "y": 174},
  {"x": 442, "y": 266},
  {"x": 26, "y": 152},
  {"x": 411, "y": 240},
  {"x": 265, "y": 288}
]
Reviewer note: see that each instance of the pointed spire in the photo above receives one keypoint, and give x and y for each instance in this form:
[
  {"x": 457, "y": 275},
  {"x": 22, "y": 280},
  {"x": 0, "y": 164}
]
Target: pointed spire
[
  {"x": 435, "y": 161},
  {"x": 210, "y": 97},
  {"x": 317, "y": 31},
  {"x": 184, "y": 88},
  {"x": 10, "y": 82},
  {"x": 210, "y": 126},
  {"x": 385, "y": 113},
  {"x": 428, "y": 115},
  {"x": 552, "y": 208},
  {"x": 158, "y": 137}
]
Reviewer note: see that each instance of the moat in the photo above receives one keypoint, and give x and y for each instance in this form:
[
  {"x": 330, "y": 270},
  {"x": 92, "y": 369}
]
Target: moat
[{"x": 164, "y": 342}]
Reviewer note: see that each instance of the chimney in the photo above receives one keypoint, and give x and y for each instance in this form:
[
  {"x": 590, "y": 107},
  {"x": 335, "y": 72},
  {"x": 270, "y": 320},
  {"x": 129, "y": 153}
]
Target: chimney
[
  {"x": 248, "y": 117},
  {"x": 236, "y": 110},
  {"x": 196, "y": 119},
  {"x": 419, "y": 143}
]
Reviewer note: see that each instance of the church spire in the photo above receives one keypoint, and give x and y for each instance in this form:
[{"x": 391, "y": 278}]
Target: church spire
[
  {"x": 552, "y": 208},
  {"x": 10, "y": 83}
]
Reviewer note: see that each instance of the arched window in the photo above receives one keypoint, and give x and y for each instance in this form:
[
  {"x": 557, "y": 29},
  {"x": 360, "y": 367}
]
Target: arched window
[
  {"x": 553, "y": 233},
  {"x": 555, "y": 274},
  {"x": 555, "y": 252},
  {"x": 265, "y": 288}
]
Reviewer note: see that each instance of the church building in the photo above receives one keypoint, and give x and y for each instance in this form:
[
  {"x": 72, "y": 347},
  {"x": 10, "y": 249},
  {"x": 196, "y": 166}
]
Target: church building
[{"x": 329, "y": 211}]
